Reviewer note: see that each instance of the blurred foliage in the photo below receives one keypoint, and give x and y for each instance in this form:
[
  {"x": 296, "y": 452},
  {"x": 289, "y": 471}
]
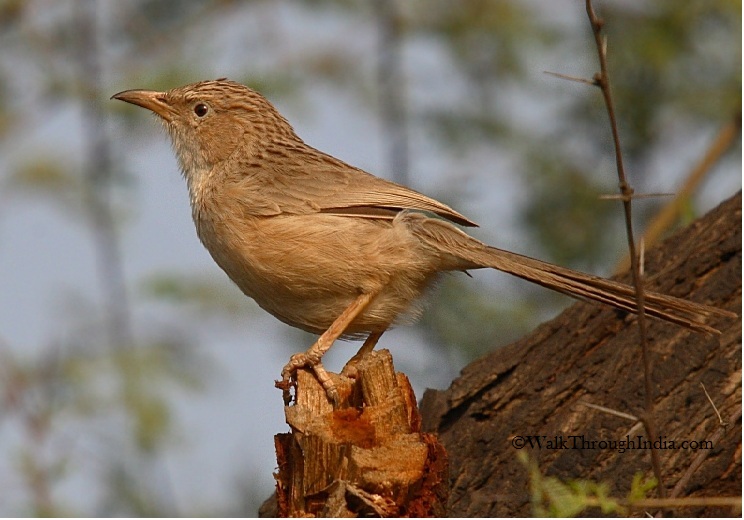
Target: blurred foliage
[
  {"x": 205, "y": 295},
  {"x": 485, "y": 314},
  {"x": 676, "y": 76},
  {"x": 73, "y": 390},
  {"x": 553, "y": 498},
  {"x": 45, "y": 176}
]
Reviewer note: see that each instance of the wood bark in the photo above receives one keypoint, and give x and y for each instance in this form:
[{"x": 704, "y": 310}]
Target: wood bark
[{"x": 591, "y": 354}]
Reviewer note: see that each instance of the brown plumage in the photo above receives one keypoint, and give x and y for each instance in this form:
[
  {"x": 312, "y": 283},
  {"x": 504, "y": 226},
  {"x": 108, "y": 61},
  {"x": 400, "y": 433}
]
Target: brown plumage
[{"x": 327, "y": 247}]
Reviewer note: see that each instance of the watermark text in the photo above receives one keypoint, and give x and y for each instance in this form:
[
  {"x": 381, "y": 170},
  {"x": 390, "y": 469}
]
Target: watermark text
[{"x": 582, "y": 442}]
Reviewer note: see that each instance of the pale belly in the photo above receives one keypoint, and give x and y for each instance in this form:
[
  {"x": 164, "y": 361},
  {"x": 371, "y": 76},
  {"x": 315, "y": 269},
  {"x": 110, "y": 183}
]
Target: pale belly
[{"x": 307, "y": 269}]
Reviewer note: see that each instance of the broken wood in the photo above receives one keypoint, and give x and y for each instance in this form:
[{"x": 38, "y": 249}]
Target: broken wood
[{"x": 366, "y": 458}]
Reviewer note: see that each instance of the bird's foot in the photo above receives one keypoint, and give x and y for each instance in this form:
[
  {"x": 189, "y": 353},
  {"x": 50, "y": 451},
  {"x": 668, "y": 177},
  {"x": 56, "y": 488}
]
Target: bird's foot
[
  {"x": 312, "y": 357},
  {"x": 351, "y": 369},
  {"x": 307, "y": 359}
]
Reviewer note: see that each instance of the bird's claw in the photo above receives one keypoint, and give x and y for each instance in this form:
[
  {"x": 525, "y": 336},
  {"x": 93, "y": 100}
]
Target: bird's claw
[{"x": 306, "y": 360}]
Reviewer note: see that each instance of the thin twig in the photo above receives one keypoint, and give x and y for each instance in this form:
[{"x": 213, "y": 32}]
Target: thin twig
[
  {"x": 630, "y": 433},
  {"x": 671, "y": 503},
  {"x": 610, "y": 411},
  {"x": 617, "y": 196},
  {"x": 723, "y": 142},
  {"x": 715, "y": 409},
  {"x": 576, "y": 79},
  {"x": 603, "y": 82},
  {"x": 702, "y": 455},
  {"x": 617, "y": 413}
]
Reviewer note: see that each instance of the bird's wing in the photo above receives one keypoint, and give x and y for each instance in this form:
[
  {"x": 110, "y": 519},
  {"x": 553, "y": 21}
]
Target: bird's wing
[{"x": 309, "y": 181}]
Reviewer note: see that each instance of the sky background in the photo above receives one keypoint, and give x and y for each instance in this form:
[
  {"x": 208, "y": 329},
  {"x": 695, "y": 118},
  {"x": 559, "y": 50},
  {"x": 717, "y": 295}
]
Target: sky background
[{"x": 221, "y": 444}]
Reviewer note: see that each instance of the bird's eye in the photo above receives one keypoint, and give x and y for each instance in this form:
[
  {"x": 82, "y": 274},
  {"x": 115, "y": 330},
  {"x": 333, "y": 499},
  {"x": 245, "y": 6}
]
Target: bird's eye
[{"x": 201, "y": 109}]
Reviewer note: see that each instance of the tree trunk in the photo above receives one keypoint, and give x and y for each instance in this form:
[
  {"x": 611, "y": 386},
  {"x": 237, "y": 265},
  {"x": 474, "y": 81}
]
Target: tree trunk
[{"x": 590, "y": 354}]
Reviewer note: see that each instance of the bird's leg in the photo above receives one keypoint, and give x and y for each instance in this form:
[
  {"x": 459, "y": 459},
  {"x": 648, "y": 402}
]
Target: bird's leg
[
  {"x": 311, "y": 358},
  {"x": 366, "y": 348}
]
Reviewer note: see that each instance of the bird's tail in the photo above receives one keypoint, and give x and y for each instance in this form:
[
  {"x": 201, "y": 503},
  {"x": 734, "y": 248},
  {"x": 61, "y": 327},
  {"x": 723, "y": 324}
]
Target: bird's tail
[
  {"x": 448, "y": 239},
  {"x": 619, "y": 295}
]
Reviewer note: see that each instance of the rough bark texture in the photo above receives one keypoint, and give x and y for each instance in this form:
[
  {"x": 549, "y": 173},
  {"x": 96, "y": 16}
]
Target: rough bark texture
[
  {"x": 591, "y": 354},
  {"x": 366, "y": 458}
]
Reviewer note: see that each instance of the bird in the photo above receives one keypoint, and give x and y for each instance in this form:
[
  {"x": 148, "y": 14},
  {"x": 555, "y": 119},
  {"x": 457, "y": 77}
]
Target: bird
[{"x": 327, "y": 247}]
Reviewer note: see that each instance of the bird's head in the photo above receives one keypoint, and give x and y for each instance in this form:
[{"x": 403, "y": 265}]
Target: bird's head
[{"x": 210, "y": 121}]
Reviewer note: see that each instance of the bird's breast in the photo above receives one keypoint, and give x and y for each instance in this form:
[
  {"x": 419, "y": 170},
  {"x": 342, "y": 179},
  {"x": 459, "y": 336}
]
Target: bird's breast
[{"x": 306, "y": 269}]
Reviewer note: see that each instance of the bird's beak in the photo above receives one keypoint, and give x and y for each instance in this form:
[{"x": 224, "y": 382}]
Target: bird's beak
[{"x": 149, "y": 99}]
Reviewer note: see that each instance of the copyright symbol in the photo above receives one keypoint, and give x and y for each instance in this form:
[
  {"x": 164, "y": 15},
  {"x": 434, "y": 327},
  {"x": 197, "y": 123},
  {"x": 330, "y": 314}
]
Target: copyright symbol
[{"x": 518, "y": 442}]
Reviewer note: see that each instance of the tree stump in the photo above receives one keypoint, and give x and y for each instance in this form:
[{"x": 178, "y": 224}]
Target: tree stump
[{"x": 366, "y": 458}]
